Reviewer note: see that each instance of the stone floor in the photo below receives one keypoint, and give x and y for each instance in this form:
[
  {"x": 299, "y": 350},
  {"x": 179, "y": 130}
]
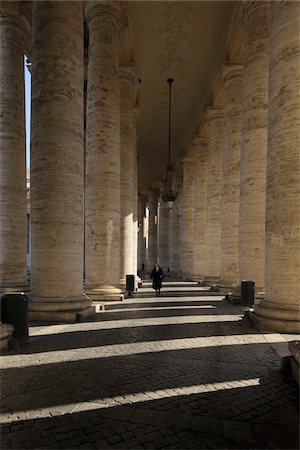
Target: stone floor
[{"x": 179, "y": 371}]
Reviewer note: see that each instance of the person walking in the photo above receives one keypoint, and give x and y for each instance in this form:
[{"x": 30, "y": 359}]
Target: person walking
[{"x": 157, "y": 277}]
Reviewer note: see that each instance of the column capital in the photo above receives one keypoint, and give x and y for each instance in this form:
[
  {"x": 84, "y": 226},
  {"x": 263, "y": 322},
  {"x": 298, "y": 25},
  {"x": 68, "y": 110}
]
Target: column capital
[
  {"x": 11, "y": 14},
  {"x": 250, "y": 6},
  {"x": 215, "y": 113},
  {"x": 232, "y": 71},
  {"x": 109, "y": 12},
  {"x": 127, "y": 73},
  {"x": 198, "y": 141}
]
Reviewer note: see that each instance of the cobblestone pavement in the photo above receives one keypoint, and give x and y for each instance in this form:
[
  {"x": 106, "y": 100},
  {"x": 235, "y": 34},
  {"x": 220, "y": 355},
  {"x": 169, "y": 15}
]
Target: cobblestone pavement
[{"x": 179, "y": 371}]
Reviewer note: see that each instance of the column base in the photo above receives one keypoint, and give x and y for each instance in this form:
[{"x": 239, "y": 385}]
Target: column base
[
  {"x": 210, "y": 280},
  {"x": 46, "y": 309},
  {"x": 227, "y": 287},
  {"x": 105, "y": 294},
  {"x": 12, "y": 289},
  {"x": 262, "y": 323},
  {"x": 6, "y": 331}
]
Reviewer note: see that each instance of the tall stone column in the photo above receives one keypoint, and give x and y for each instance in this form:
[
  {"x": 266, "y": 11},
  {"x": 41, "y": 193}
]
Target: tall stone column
[
  {"x": 215, "y": 120},
  {"x": 141, "y": 233},
  {"x": 13, "y": 203},
  {"x": 254, "y": 145},
  {"x": 152, "y": 230},
  {"x": 103, "y": 160},
  {"x": 135, "y": 191},
  {"x": 280, "y": 309},
  {"x": 188, "y": 205},
  {"x": 127, "y": 79},
  {"x": 57, "y": 163},
  {"x": 230, "y": 200},
  {"x": 175, "y": 239},
  {"x": 164, "y": 236},
  {"x": 201, "y": 150}
]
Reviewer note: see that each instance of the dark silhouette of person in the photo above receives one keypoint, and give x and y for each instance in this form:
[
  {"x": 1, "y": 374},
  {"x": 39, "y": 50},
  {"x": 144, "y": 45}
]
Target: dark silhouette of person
[{"x": 157, "y": 277}]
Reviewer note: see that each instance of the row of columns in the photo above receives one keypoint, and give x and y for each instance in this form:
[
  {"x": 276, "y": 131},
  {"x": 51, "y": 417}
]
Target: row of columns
[
  {"x": 82, "y": 184},
  {"x": 240, "y": 194},
  {"x": 252, "y": 191}
]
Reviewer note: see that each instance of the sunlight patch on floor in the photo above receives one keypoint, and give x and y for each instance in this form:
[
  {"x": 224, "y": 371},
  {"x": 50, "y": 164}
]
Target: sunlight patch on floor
[{"x": 128, "y": 399}]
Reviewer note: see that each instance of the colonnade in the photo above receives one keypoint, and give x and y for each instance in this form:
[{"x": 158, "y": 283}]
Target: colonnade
[
  {"x": 237, "y": 213},
  {"x": 248, "y": 183}
]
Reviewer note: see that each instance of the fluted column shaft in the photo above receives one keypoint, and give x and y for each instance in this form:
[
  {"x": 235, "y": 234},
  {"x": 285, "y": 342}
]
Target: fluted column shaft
[
  {"x": 12, "y": 155},
  {"x": 127, "y": 79},
  {"x": 201, "y": 169},
  {"x": 152, "y": 229},
  {"x": 164, "y": 236},
  {"x": 254, "y": 144},
  {"x": 57, "y": 162},
  {"x": 215, "y": 120},
  {"x": 103, "y": 160},
  {"x": 230, "y": 192},
  {"x": 188, "y": 205},
  {"x": 280, "y": 310}
]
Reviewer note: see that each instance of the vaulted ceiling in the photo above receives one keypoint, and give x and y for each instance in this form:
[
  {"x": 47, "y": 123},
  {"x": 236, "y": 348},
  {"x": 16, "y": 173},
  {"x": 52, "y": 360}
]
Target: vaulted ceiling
[{"x": 183, "y": 40}]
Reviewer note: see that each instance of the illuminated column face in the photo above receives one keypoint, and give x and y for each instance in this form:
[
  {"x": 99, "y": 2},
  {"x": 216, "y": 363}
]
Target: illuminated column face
[
  {"x": 141, "y": 233},
  {"x": 164, "y": 236},
  {"x": 215, "y": 120},
  {"x": 127, "y": 79},
  {"x": 201, "y": 168},
  {"x": 254, "y": 144},
  {"x": 103, "y": 160},
  {"x": 175, "y": 238},
  {"x": 12, "y": 155},
  {"x": 57, "y": 163},
  {"x": 152, "y": 228},
  {"x": 230, "y": 193},
  {"x": 135, "y": 190},
  {"x": 280, "y": 309},
  {"x": 188, "y": 204}
]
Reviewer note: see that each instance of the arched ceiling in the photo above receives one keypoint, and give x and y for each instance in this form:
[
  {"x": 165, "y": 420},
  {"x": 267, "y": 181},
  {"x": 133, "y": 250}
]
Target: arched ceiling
[{"x": 185, "y": 41}]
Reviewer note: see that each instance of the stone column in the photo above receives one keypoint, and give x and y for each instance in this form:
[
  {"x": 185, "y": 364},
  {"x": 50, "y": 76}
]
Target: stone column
[
  {"x": 188, "y": 204},
  {"x": 13, "y": 203},
  {"x": 135, "y": 191},
  {"x": 152, "y": 230},
  {"x": 280, "y": 310},
  {"x": 127, "y": 79},
  {"x": 175, "y": 239},
  {"x": 215, "y": 120},
  {"x": 103, "y": 160},
  {"x": 141, "y": 234},
  {"x": 164, "y": 236},
  {"x": 201, "y": 149},
  {"x": 57, "y": 163},
  {"x": 230, "y": 200},
  {"x": 254, "y": 145}
]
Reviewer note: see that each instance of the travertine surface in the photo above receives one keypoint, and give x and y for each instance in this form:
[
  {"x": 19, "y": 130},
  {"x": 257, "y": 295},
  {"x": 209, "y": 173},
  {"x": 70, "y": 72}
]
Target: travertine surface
[
  {"x": 12, "y": 155},
  {"x": 164, "y": 236},
  {"x": 280, "y": 309},
  {"x": 254, "y": 144},
  {"x": 215, "y": 120},
  {"x": 127, "y": 79},
  {"x": 57, "y": 162},
  {"x": 188, "y": 207},
  {"x": 102, "y": 190},
  {"x": 141, "y": 232},
  {"x": 201, "y": 148},
  {"x": 135, "y": 190},
  {"x": 152, "y": 230},
  {"x": 175, "y": 238},
  {"x": 230, "y": 192}
]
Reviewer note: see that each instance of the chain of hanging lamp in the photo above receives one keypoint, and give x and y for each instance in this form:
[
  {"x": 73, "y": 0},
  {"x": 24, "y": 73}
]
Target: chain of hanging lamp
[{"x": 168, "y": 191}]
